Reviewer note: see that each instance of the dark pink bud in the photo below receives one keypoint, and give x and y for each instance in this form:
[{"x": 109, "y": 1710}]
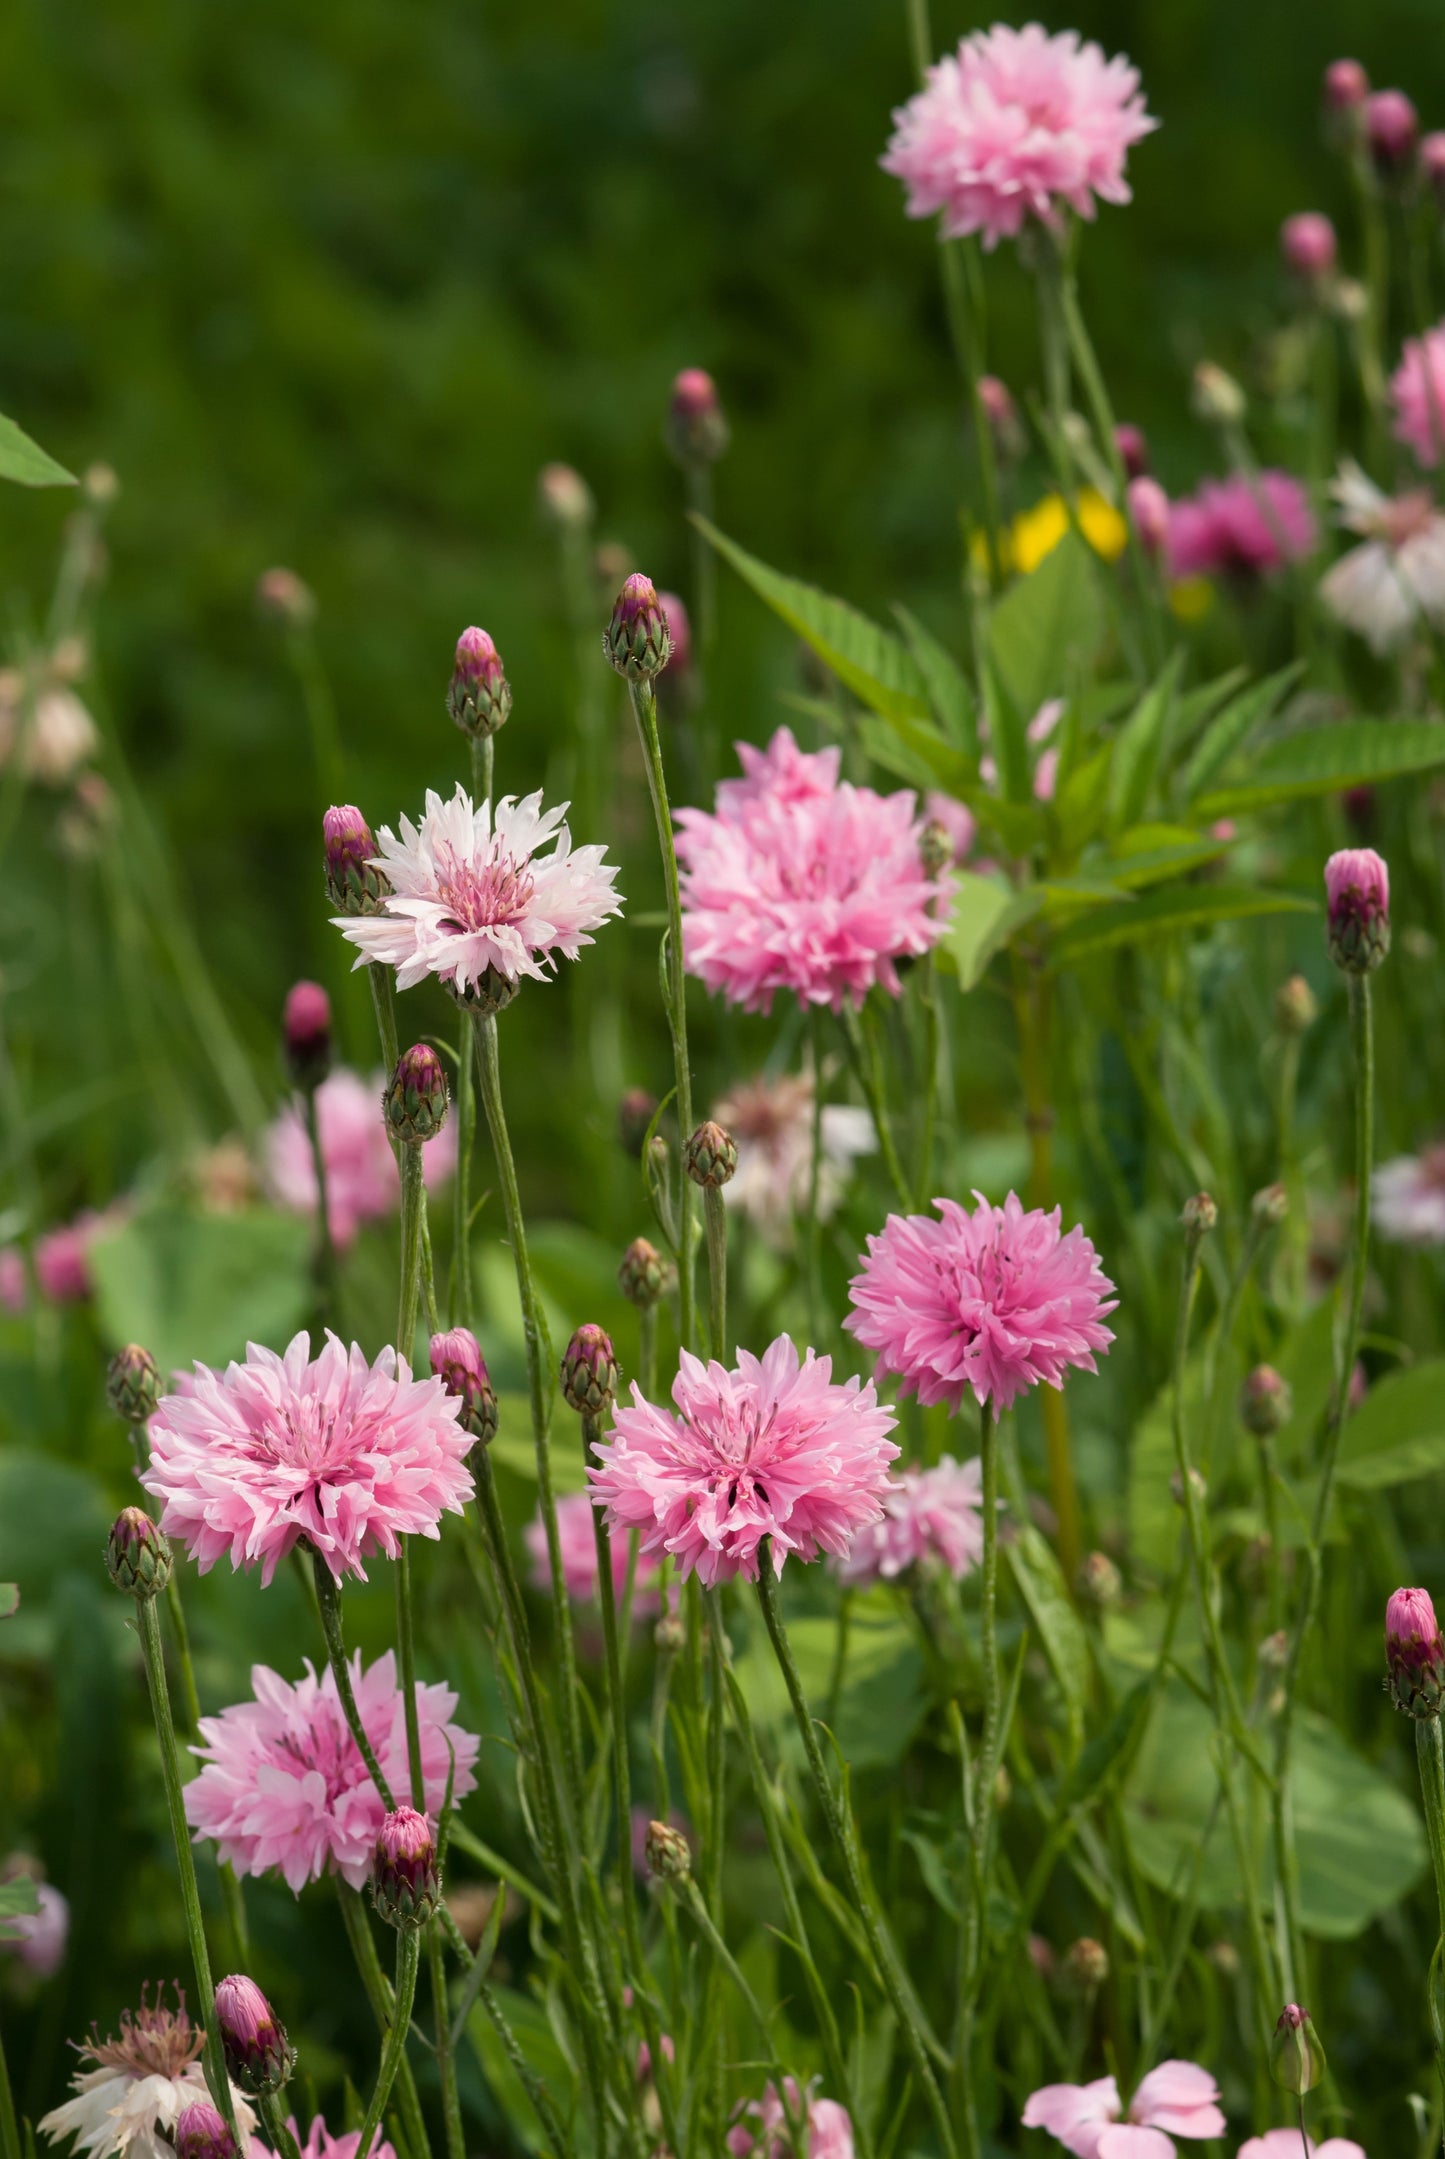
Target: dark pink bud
[
  {"x": 404, "y": 1883},
  {"x": 281, "y": 595},
  {"x": 1346, "y": 85},
  {"x": 415, "y": 1104},
  {"x": 457, "y": 1361},
  {"x": 259, "y": 2056},
  {"x": 697, "y": 433},
  {"x": 479, "y": 696},
  {"x": 1414, "y": 1653},
  {"x": 1133, "y": 448},
  {"x": 202, "y": 2134},
  {"x": 679, "y": 631},
  {"x": 1149, "y": 513},
  {"x": 997, "y": 404},
  {"x": 636, "y": 640},
  {"x": 306, "y": 1028},
  {"x": 589, "y": 1372},
  {"x": 352, "y": 885},
  {"x": 1307, "y": 243},
  {"x": 1392, "y": 128},
  {"x": 1265, "y": 1402},
  {"x": 1357, "y": 900}
]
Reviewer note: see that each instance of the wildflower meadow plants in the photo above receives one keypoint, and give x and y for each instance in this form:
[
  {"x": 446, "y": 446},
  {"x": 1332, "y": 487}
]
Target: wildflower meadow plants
[{"x": 862, "y": 1638}]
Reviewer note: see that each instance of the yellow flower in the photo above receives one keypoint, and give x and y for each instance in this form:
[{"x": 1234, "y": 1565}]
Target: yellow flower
[
  {"x": 1036, "y": 532},
  {"x": 1191, "y": 599}
]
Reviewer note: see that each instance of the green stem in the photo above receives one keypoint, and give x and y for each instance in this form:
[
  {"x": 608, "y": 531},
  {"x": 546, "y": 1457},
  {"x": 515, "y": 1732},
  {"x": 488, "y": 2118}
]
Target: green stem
[
  {"x": 148, "y": 1622},
  {"x": 865, "y": 1071},
  {"x": 647, "y": 1350},
  {"x": 928, "y": 997},
  {"x": 393, "y": 2053},
  {"x": 268, "y": 2106},
  {"x": 320, "y": 712},
  {"x": 9, "y": 2127},
  {"x": 698, "y": 1912},
  {"x": 230, "y": 1886},
  {"x": 412, "y": 1193},
  {"x": 379, "y": 1995},
  {"x": 813, "y": 1227},
  {"x": 445, "y": 2059},
  {"x": 459, "y": 1303},
  {"x": 698, "y": 475},
  {"x": 483, "y": 756},
  {"x": 1430, "y": 1756},
  {"x": 714, "y": 1215},
  {"x": 383, "y": 998},
  {"x": 527, "y": 2076},
  {"x": 328, "y": 1601},
  {"x": 325, "y": 1246},
  {"x": 836, "y": 1814},
  {"x": 617, "y": 1709},
  {"x": 717, "y": 1644},
  {"x": 979, "y": 1823}
]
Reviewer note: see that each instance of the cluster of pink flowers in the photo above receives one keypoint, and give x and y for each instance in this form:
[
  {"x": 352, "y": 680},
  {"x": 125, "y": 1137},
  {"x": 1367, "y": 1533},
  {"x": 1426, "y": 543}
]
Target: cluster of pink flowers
[
  {"x": 362, "y": 1180},
  {"x": 800, "y": 881},
  {"x": 928, "y": 1514},
  {"x": 1017, "y": 125},
  {"x": 1417, "y": 392},
  {"x": 1178, "y": 2099},
  {"x": 284, "y": 1784},
  {"x": 1240, "y": 527},
  {"x": 579, "y": 1558}
]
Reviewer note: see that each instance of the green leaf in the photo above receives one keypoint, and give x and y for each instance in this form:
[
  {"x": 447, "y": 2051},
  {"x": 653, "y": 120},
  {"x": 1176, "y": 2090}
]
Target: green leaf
[
  {"x": 1398, "y": 1431},
  {"x": 948, "y": 686},
  {"x": 983, "y": 914},
  {"x": 1138, "y": 744},
  {"x": 1324, "y": 761},
  {"x": 1164, "y": 851},
  {"x": 194, "y": 1286},
  {"x": 917, "y": 753},
  {"x": 1167, "y": 914},
  {"x": 24, "y": 461},
  {"x": 1227, "y": 735},
  {"x": 1198, "y": 706},
  {"x": 532, "y": 2028},
  {"x": 9, "y": 1599},
  {"x": 882, "y": 1701},
  {"x": 1081, "y": 802},
  {"x": 1041, "y": 1585},
  {"x": 1048, "y": 626},
  {"x": 17, "y": 1900},
  {"x": 875, "y": 666}
]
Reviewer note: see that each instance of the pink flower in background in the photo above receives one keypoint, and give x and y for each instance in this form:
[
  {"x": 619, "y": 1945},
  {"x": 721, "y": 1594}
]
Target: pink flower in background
[
  {"x": 14, "y": 1284},
  {"x": 38, "y": 1938},
  {"x": 927, "y": 1514},
  {"x": 771, "y": 1122},
  {"x": 828, "y": 2127},
  {"x": 1417, "y": 391},
  {"x": 1382, "y": 589},
  {"x": 284, "y": 1784},
  {"x": 679, "y": 629},
  {"x": 957, "y": 820},
  {"x": 62, "y": 1257},
  {"x": 579, "y": 1558},
  {"x": 1285, "y": 2144},
  {"x": 1178, "y": 2099},
  {"x": 1017, "y": 124},
  {"x": 772, "y": 1449},
  {"x": 1408, "y": 1198},
  {"x": 1307, "y": 243},
  {"x": 471, "y": 895},
  {"x": 801, "y": 882},
  {"x": 1240, "y": 527},
  {"x": 321, "y": 2144},
  {"x": 989, "y": 1302},
  {"x": 349, "y": 1454},
  {"x": 362, "y": 1181}
]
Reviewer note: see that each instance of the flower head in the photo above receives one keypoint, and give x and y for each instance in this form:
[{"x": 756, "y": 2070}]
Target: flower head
[
  {"x": 1149, "y": 513},
  {"x": 1392, "y": 128},
  {"x": 479, "y": 696},
  {"x": 1408, "y": 1198},
  {"x": 1346, "y": 85},
  {"x": 1017, "y": 125},
  {"x": 457, "y": 1361},
  {"x": 565, "y": 497},
  {"x": 775, "y": 1448},
  {"x": 1242, "y": 527},
  {"x": 578, "y": 1542},
  {"x": 62, "y": 1258},
  {"x": 319, "y": 2143},
  {"x": 362, "y": 1184},
  {"x": 1357, "y": 906},
  {"x": 1414, "y": 1653},
  {"x": 1384, "y": 588},
  {"x": 258, "y": 2053},
  {"x": 1417, "y": 392},
  {"x": 133, "y": 1384},
  {"x": 201, "y": 2133},
  {"x": 928, "y": 1514},
  {"x": 637, "y": 640},
  {"x": 989, "y": 1302},
  {"x": 589, "y": 1371},
  {"x": 697, "y": 431},
  {"x": 405, "y": 1886},
  {"x": 350, "y": 1455},
  {"x": 141, "y": 2081},
  {"x": 1285, "y": 2144},
  {"x": 771, "y": 1122},
  {"x": 474, "y": 903},
  {"x": 1296, "y": 2057},
  {"x": 137, "y": 1554},
  {"x": 1308, "y": 245},
  {"x": 353, "y": 886},
  {"x": 284, "y": 1784},
  {"x": 415, "y": 1103},
  {"x": 306, "y": 1034},
  {"x": 1178, "y": 2099},
  {"x": 828, "y": 2128}
]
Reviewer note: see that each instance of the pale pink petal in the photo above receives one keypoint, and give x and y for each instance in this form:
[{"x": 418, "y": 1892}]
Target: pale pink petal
[{"x": 1124, "y": 2141}]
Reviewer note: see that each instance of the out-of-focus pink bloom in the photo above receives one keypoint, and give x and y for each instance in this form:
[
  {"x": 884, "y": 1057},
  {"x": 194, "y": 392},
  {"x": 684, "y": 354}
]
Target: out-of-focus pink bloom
[
  {"x": 62, "y": 1257},
  {"x": 14, "y": 1285},
  {"x": 679, "y": 629},
  {"x": 775, "y": 1448},
  {"x": 351, "y": 1455},
  {"x": 828, "y": 2129},
  {"x": 47, "y": 724},
  {"x": 565, "y": 496},
  {"x": 1307, "y": 243},
  {"x": 362, "y": 1181},
  {"x": 284, "y": 1784},
  {"x": 957, "y": 820},
  {"x": 321, "y": 2144},
  {"x": 38, "y": 1938},
  {"x": 1017, "y": 124},
  {"x": 1417, "y": 392},
  {"x": 579, "y": 1558},
  {"x": 1133, "y": 448},
  {"x": 928, "y": 1514},
  {"x": 1149, "y": 514},
  {"x": 1392, "y": 128},
  {"x": 1414, "y": 1653},
  {"x": 1039, "y": 729},
  {"x": 1240, "y": 527},
  {"x": 1357, "y": 908},
  {"x": 1432, "y": 162},
  {"x": 809, "y": 884},
  {"x": 1224, "y": 829},
  {"x": 990, "y": 1302},
  {"x": 1285, "y": 2144},
  {"x": 1346, "y": 85},
  {"x": 771, "y": 1123},
  {"x": 1178, "y": 2099},
  {"x": 997, "y": 401},
  {"x": 1382, "y": 589},
  {"x": 1408, "y": 1197}
]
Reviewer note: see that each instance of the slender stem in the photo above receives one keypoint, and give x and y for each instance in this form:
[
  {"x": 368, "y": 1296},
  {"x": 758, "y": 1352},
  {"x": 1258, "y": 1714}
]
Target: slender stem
[
  {"x": 814, "y": 1228},
  {"x": 9, "y": 2127},
  {"x": 148, "y": 1622},
  {"x": 985, "y": 1773},
  {"x": 412, "y": 1190},
  {"x": 483, "y": 755},
  {"x": 379, "y": 1995},
  {"x": 459, "y": 1303},
  {"x": 928, "y": 997},
  {"x": 268, "y": 2106},
  {"x": 617, "y": 1709},
  {"x": 230, "y": 1886},
  {"x": 647, "y": 1350},
  {"x": 1430, "y": 1756},
  {"x": 865, "y": 1071},
  {"x": 393, "y": 2053},
  {"x": 714, "y": 1215},
  {"x": 325, "y": 1245},
  {"x": 328, "y": 1600},
  {"x": 1032, "y": 1012},
  {"x": 445, "y": 2058},
  {"x": 320, "y": 711},
  {"x": 530, "y": 2081},
  {"x": 698, "y": 475},
  {"x": 837, "y": 1816},
  {"x": 383, "y": 998},
  {"x": 696, "y": 1906},
  {"x": 717, "y": 1644}
]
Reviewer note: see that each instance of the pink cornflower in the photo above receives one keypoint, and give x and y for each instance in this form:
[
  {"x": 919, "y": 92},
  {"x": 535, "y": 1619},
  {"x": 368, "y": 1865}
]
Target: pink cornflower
[
  {"x": 579, "y": 1558},
  {"x": 1178, "y": 2099},
  {"x": 1417, "y": 391},
  {"x": 771, "y": 1121},
  {"x": 38, "y": 1938},
  {"x": 284, "y": 1784},
  {"x": 927, "y": 1514},
  {"x": 773, "y": 1449},
  {"x": 471, "y": 896},
  {"x": 1308, "y": 245},
  {"x": 1240, "y": 527},
  {"x": 62, "y": 1257},
  {"x": 139, "y": 2082},
  {"x": 802, "y": 882},
  {"x": 321, "y": 2144},
  {"x": 1017, "y": 124},
  {"x": 1285, "y": 2144},
  {"x": 362, "y": 1182},
  {"x": 989, "y": 1302},
  {"x": 351, "y": 1455},
  {"x": 1408, "y": 1197},
  {"x": 14, "y": 1282},
  {"x": 827, "y": 2126}
]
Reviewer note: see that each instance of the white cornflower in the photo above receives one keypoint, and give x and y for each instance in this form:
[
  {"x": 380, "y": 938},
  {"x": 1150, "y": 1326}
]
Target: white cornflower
[
  {"x": 772, "y": 1123},
  {"x": 142, "y": 2082},
  {"x": 1381, "y": 589}
]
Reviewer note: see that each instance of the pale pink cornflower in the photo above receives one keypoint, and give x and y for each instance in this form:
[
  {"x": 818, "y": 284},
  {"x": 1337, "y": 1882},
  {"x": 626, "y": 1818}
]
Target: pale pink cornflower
[
  {"x": 579, "y": 1558},
  {"x": 1417, "y": 392},
  {"x": 989, "y": 1303},
  {"x": 1017, "y": 124},
  {"x": 817, "y": 891},
  {"x": 472, "y": 897},
  {"x": 928, "y": 1514},
  {"x": 772, "y": 1449},
  {"x": 771, "y": 1122},
  {"x": 321, "y": 2144},
  {"x": 1178, "y": 2099},
  {"x": 1407, "y": 1197},
  {"x": 284, "y": 1785},
  {"x": 827, "y": 2126},
  {"x": 141, "y": 2081},
  {"x": 780, "y": 773},
  {"x": 1242, "y": 526},
  {"x": 1382, "y": 589},
  {"x": 38, "y": 1938},
  {"x": 351, "y": 1455},
  {"x": 1285, "y": 2144},
  {"x": 362, "y": 1180}
]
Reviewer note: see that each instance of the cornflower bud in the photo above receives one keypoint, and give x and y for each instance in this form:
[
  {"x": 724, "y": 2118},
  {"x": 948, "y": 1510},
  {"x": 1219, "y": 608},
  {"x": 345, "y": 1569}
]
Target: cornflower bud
[
  {"x": 1199, "y": 1215},
  {"x": 1346, "y": 86},
  {"x": 935, "y": 848},
  {"x": 404, "y": 1884},
  {"x": 1296, "y": 2058},
  {"x": 635, "y": 1113},
  {"x": 1085, "y": 1966},
  {"x": 667, "y": 1852},
  {"x": 281, "y": 596},
  {"x": 1149, "y": 513},
  {"x": 1414, "y": 1654},
  {"x": 415, "y": 1104},
  {"x": 711, "y": 1156},
  {"x": 696, "y": 431},
  {"x": 1265, "y": 1402},
  {"x": 1197, "y": 1486},
  {"x": 565, "y": 497},
  {"x": 202, "y": 2134},
  {"x": 1274, "y": 1651},
  {"x": 1270, "y": 1205},
  {"x": 1132, "y": 445},
  {"x": 1295, "y": 1006},
  {"x": 306, "y": 1033},
  {"x": 642, "y": 1276},
  {"x": 1349, "y": 300},
  {"x": 457, "y": 1361},
  {"x": 133, "y": 1384},
  {"x": 352, "y": 885},
  {"x": 1432, "y": 165},
  {"x": 259, "y": 2056},
  {"x": 1099, "y": 1584},
  {"x": 1357, "y": 903},
  {"x": 589, "y": 1372},
  {"x": 1217, "y": 397},
  {"x": 669, "y": 1635},
  {"x": 1002, "y": 417},
  {"x": 636, "y": 640},
  {"x": 138, "y": 1554},
  {"x": 1392, "y": 129},
  {"x": 479, "y": 696},
  {"x": 1307, "y": 243}
]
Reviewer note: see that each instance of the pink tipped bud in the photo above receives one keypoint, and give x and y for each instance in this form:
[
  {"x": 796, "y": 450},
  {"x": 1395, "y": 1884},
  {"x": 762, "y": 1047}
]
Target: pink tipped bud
[
  {"x": 997, "y": 403},
  {"x": 479, "y": 696},
  {"x": 138, "y": 1555},
  {"x": 416, "y": 1101},
  {"x": 202, "y": 2134},
  {"x": 259, "y": 2056},
  {"x": 353, "y": 886},
  {"x": 1098, "y": 1582},
  {"x": 404, "y": 1884},
  {"x": 1296, "y": 2058},
  {"x": 1414, "y": 1653},
  {"x": 679, "y": 633},
  {"x": 565, "y": 497},
  {"x": 696, "y": 432},
  {"x": 1432, "y": 165},
  {"x": 306, "y": 1031},
  {"x": 1307, "y": 243},
  {"x": 1199, "y": 1215},
  {"x": 133, "y": 1384},
  {"x": 1357, "y": 902},
  {"x": 1085, "y": 1967},
  {"x": 589, "y": 1372},
  {"x": 1265, "y": 1402},
  {"x": 281, "y": 596},
  {"x": 1133, "y": 447},
  {"x": 711, "y": 1156},
  {"x": 1392, "y": 129},
  {"x": 1346, "y": 86},
  {"x": 457, "y": 1361},
  {"x": 636, "y": 640},
  {"x": 667, "y": 1852},
  {"x": 642, "y": 1277},
  {"x": 1149, "y": 514},
  {"x": 635, "y": 1113}
]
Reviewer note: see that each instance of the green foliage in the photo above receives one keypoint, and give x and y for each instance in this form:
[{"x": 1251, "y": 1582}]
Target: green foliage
[
  {"x": 197, "y": 1288},
  {"x": 26, "y": 463},
  {"x": 1047, "y": 628}
]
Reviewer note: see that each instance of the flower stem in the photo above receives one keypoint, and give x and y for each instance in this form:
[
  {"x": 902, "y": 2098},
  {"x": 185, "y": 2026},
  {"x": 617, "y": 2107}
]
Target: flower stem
[
  {"x": 383, "y": 998},
  {"x": 412, "y": 1194},
  {"x": 865, "y": 1071},
  {"x": 148, "y": 1621},
  {"x": 647, "y": 1350},
  {"x": 325, "y": 1247},
  {"x": 459, "y": 1302},
  {"x": 9, "y": 2127},
  {"x": 483, "y": 758},
  {"x": 979, "y": 1824},
  {"x": 837, "y": 1815},
  {"x": 328, "y": 1601},
  {"x": 268, "y": 2106},
  {"x": 393, "y": 2053},
  {"x": 1430, "y": 1756},
  {"x": 714, "y": 1215},
  {"x": 379, "y": 1994},
  {"x": 445, "y": 2058}
]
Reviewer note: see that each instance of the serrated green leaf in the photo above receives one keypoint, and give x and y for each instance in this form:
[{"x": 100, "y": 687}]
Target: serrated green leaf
[
  {"x": 983, "y": 914},
  {"x": 878, "y": 668},
  {"x": 1229, "y": 733},
  {"x": 26, "y": 463},
  {"x": 1398, "y": 1432},
  {"x": 948, "y": 687},
  {"x": 915, "y": 751},
  {"x": 1048, "y": 626},
  {"x": 1169, "y": 914},
  {"x": 17, "y": 1899},
  {"x": 1138, "y": 744},
  {"x": 1326, "y": 760}
]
